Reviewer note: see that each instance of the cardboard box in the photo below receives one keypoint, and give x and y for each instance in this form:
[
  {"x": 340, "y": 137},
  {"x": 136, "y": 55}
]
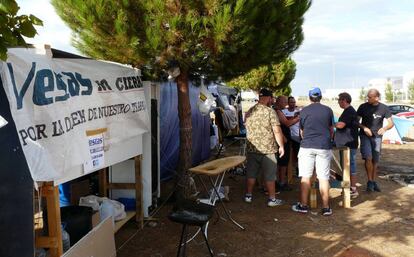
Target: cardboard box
[
  {"x": 96, "y": 219},
  {"x": 99, "y": 242}
]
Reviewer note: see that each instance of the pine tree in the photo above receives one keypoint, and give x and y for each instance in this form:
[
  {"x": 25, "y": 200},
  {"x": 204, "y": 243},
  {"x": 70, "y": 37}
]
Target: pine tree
[
  {"x": 275, "y": 77},
  {"x": 13, "y": 27},
  {"x": 201, "y": 37}
]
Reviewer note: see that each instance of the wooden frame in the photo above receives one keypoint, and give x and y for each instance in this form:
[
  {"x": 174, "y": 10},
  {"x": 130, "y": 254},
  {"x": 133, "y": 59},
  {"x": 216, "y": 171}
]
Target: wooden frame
[{"x": 53, "y": 240}]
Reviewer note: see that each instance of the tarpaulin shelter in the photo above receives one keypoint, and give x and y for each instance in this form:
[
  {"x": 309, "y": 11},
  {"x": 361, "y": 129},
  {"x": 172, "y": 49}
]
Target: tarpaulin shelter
[{"x": 170, "y": 131}]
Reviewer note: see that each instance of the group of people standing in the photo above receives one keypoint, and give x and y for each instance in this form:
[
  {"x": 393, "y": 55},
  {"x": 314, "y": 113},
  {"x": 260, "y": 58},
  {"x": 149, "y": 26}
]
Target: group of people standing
[{"x": 312, "y": 132}]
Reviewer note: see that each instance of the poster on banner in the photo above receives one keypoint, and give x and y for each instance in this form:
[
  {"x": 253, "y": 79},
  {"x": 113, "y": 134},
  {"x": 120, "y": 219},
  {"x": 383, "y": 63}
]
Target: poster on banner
[
  {"x": 53, "y": 102},
  {"x": 96, "y": 151}
]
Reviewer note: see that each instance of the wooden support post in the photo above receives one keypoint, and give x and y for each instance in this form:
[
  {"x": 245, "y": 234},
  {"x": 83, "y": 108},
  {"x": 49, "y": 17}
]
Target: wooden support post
[
  {"x": 346, "y": 178},
  {"x": 138, "y": 192},
  {"x": 103, "y": 182},
  {"x": 53, "y": 218}
]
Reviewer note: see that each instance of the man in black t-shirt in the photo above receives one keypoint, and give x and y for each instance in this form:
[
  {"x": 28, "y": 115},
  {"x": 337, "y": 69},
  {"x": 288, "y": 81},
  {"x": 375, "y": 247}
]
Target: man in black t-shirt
[
  {"x": 347, "y": 134},
  {"x": 371, "y": 131}
]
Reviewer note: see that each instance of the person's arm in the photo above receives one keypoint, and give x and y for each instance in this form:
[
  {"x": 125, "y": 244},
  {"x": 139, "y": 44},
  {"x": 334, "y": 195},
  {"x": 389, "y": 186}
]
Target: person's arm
[
  {"x": 284, "y": 120},
  {"x": 366, "y": 130},
  {"x": 389, "y": 126},
  {"x": 277, "y": 131},
  {"x": 340, "y": 125},
  {"x": 331, "y": 132}
]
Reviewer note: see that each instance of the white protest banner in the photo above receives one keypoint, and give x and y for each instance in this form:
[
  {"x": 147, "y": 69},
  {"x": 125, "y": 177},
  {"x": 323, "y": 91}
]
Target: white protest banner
[{"x": 54, "y": 101}]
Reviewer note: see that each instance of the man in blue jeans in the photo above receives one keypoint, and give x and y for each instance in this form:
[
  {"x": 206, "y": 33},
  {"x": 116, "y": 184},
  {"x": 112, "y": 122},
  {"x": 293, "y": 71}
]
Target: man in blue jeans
[
  {"x": 315, "y": 153},
  {"x": 347, "y": 134},
  {"x": 371, "y": 131}
]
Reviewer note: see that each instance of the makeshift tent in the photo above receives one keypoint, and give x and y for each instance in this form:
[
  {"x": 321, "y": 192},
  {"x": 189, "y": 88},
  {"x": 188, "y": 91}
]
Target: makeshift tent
[
  {"x": 170, "y": 133},
  {"x": 400, "y": 130}
]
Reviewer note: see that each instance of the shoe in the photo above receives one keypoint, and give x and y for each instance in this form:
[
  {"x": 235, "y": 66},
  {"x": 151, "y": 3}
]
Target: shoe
[
  {"x": 354, "y": 193},
  {"x": 300, "y": 208},
  {"x": 326, "y": 211},
  {"x": 370, "y": 186},
  {"x": 248, "y": 198},
  {"x": 274, "y": 202},
  {"x": 376, "y": 187}
]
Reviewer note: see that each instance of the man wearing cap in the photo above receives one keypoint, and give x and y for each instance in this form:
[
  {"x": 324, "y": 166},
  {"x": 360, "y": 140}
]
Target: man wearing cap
[
  {"x": 373, "y": 114},
  {"x": 264, "y": 141},
  {"x": 316, "y": 129}
]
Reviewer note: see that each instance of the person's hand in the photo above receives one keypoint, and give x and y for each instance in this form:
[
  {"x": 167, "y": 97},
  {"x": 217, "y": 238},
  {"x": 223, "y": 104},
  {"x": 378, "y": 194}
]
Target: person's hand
[
  {"x": 382, "y": 131},
  {"x": 281, "y": 151},
  {"x": 368, "y": 132}
]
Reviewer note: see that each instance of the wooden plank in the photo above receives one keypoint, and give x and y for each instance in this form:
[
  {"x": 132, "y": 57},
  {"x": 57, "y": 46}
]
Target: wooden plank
[
  {"x": 119, "y": 224},
  {"x": 138, "y": 192},
  {"x": 53, "y": 219},
  {"x": 46, "y": 242},
  {"x": 103, "y": 182},
  {"x": 218, "y": 166},
  {"x": 346, "y": 178}
]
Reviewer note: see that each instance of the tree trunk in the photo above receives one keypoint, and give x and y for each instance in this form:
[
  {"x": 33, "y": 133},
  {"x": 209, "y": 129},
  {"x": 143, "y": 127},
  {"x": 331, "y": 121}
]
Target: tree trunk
[{"x": 184, "y": 115}]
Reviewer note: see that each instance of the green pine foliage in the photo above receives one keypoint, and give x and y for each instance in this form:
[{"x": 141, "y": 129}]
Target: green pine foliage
[
  {"x": 210, "y": 37},
  {"x": 13, "y": 27},
  {"x": 275, "y": 77}
]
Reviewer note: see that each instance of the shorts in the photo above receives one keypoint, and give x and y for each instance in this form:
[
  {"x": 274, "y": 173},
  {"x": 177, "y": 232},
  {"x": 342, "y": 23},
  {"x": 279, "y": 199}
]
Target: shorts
[
  {"x": 284, "y": 161},
  {"x": 310, "y": 158},
  {"x": 370, "y": 147},
  {"x": 352, "y": 161},
  {"x": 265, "y": 163}
]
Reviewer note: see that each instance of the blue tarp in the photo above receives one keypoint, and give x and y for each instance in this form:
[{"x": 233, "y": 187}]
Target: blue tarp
[
  {"x": 169, "y": 130},
  {"x": 402, "y": 125}
]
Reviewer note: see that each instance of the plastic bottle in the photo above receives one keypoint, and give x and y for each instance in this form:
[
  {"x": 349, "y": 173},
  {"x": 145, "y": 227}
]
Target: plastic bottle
[
  {"x": 65, "y": 238},
  {"x": 106, "y": 210}
]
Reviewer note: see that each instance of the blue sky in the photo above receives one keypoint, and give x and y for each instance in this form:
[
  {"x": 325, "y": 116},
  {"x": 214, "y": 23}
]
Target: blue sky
[{"x": 346, "y": 42}]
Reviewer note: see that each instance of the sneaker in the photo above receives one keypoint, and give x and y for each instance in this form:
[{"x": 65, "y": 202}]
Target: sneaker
[
  {"x": 300, "y": 208},
  {"x": 274, "y": 202},
  {"x": 327, "y": 211},
  {"x": 354, "y": 193},
  {"x": 248, "y": 198},
  {"x": 376, "y": 187},
  {"x": 370, "y": 186}
]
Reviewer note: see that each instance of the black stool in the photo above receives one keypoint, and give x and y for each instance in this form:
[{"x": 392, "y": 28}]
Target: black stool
[{"x": 191, "y": 213}]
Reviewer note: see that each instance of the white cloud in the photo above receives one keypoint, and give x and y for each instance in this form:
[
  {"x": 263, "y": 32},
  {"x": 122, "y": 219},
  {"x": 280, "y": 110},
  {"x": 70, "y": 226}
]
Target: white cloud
[
  {"x": 53, "y": 32},
  {"x": 361, "y": 39}
]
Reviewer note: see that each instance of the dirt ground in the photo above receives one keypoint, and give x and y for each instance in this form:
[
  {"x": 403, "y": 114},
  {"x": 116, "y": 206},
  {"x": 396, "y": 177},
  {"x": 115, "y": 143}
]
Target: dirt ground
[{"x": 378, "y": 224}]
